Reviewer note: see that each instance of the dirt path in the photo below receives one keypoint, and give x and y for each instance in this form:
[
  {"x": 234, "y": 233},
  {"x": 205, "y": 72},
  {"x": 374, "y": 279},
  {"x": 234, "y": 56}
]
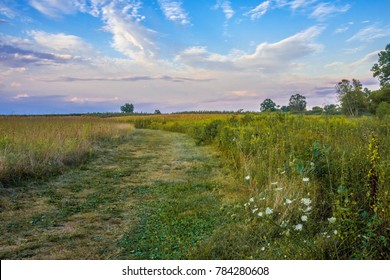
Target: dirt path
[{"x": 119, "y": 205}]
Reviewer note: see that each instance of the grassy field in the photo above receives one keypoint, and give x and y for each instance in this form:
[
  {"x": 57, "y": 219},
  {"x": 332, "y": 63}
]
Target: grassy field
[
  {"x": 319, "y": 185},
  {"x": 253, "y": 186}
]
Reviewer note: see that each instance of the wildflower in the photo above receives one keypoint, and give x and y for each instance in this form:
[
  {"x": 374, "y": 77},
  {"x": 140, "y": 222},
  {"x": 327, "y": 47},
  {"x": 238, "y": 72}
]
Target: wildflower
[
  {"x": 234, "y": 139},
  {"x": 262, "y": 248},
  {"x": 246, "y": 204},
  {"x": 335, "y": 231},
  {"x": 268, "y": 211},
  {"x": 306, "y": 201},
  {"x": 288, "y": 201},
  {"x": 278, "y": 189},
  {"x": 281, "y": 173},
  {"x": 254, "y": 210},
  {"x": 260, "y": 214},
  {"x": 247, "y": 178},
  {"x": 251, "y": 199},
  {"x": 274, "y": 183},
  {"x": 332, "y": 220},
  {"x": 305, "y": 179},
  {"x": 308, "y": 209},
  {"x": 298, "y": 227},
  {"x": 304, "y": 218}
]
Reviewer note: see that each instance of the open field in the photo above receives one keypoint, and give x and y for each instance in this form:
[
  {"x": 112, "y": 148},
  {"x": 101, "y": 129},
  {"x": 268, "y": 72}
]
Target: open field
[{"x": 253, "y": 186}]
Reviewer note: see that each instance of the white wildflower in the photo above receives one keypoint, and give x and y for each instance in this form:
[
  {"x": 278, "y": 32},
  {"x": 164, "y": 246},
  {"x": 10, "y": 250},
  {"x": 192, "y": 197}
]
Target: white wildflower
[
  {"x": 281, "y": 173},
  {"x": 262, "y": 248},
  {"x": 246, "y": 204},
  {"x": 305, "y": 179},
  {"x": 308, "y": 209},
  {"x": 298, "y": 227},
  {"x": 304, "y": 218},
  {"x": 274, "y": 183},
  {"x": 234, "y": 139},
  {"x": 251, "y": 199},
  {"x": 335, "y": 231},
  {"x": 306, "y": 201},
  {"x": 278, "y": 189},
  {"x": 254, "y": 210},
  {"x": 247, "y": 178},
  {"x": 332, "y": 220},
  {"x": 260, "y": 214},
  {"x": 268, "y": 211},
  {"x": 288, "y": 201}
]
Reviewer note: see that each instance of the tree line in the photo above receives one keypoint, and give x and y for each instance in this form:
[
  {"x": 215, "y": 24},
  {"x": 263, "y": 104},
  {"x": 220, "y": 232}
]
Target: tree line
[{"x": 353, "y": 99}]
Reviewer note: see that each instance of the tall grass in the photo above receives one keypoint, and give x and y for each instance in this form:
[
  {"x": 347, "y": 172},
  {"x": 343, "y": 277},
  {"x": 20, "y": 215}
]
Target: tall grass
[
  {"x": 40, "y": 146},
  {"x": 341, "y": 165}
]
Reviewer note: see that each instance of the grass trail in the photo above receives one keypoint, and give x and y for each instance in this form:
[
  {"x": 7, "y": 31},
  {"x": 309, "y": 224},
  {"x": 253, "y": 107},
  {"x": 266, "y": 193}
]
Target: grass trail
[{"x": 154, "y": 196}]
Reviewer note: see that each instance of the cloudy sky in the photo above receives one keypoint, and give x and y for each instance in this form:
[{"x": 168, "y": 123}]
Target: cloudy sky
[{"x": 79, "y": 56}]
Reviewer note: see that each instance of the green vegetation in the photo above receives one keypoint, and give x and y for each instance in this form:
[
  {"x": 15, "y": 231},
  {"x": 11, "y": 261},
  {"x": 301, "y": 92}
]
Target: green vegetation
[{"x": 318, "y": 186}]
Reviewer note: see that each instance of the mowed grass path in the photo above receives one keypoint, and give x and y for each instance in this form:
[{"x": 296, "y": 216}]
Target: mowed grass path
[{"x": 154, "y": 196}]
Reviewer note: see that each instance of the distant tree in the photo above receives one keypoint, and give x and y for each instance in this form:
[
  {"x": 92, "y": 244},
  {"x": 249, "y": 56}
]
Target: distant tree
[
  {"x": 382, "y": 68},
  {"x": 268, "y": 104},
  {"x": 284, "y": 109},
  {"x": 157, "y": 112},
  {"x": 297, "y": 103},
  {"x": 352, "y": 98},
  {"x": 377, "y": 97},
  {"x": 331, "y": 109},
  {"x": 317, "y": 110},
  {"x": 127, "y": 108}
]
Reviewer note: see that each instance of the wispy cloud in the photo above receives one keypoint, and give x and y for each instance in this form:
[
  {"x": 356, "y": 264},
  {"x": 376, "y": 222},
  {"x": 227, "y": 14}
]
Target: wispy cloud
[
  {"x": 366, "y": 61},
  {"x": 174, "y": 11},
  {"x": 259, "y": 11},
  {"x": 325, "y": 10},
  {"x": 17, "y": 57},
  {"x": 54, "y": 8},
  {"x": 226, "y": 8},
  {"x": 129, "y": 36},
  {"x": 370, "y": 33},
  {"x": 127, "y": 79}
]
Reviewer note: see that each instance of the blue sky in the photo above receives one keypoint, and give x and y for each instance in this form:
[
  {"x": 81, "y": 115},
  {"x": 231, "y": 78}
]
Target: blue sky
[{"x": 80, "y": 56}]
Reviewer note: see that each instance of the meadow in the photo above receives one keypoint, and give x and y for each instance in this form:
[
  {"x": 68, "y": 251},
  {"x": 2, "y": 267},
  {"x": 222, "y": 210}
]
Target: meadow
[
  {"x": 35, "y": 147},
  {"x": 213, "y": 186},
  {"x": 317, "y": 186}
]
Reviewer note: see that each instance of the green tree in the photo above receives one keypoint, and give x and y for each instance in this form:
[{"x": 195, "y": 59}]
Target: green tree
[
  {"x": 383, "y": 110},
  {"x": 297, "y": 103},
  {"x": 382, "y": 68},
  {"x": 377, "y": 97},
  {"x": 331, "y": 109},
  {"x": 352, "y": 99},
  {"x": 317, "y": 110},
  {"x": 284, "y": 108},
  {"x": 157, "y": 112},
  {"x": 268, "y": 104},
  {"x": 127, "y": 108}
]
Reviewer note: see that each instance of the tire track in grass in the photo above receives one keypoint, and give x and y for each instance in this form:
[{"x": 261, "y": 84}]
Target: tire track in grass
[{"x": 154, "y": 196}]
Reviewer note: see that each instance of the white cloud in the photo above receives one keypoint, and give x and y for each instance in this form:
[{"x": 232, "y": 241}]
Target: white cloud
[
  {"x": 174, "y": 11},
  {"x": 370, "y": 33},
  {"x": 129, "y": 36},
  {"x": 55, "y": 8},
  {"x": 367, "y": 61},
  {"x": 60, "y": 42},
  {"x": 226, "y": 8},
  {"x": 296, "y": 4},
  {"x": 324, "y": 10},
  {"x": 267, "y": 57},
  {"x": 259, "y": 11}
]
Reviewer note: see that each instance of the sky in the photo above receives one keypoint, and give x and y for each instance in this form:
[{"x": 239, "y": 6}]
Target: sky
[{"x": 79, "y": 56}]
